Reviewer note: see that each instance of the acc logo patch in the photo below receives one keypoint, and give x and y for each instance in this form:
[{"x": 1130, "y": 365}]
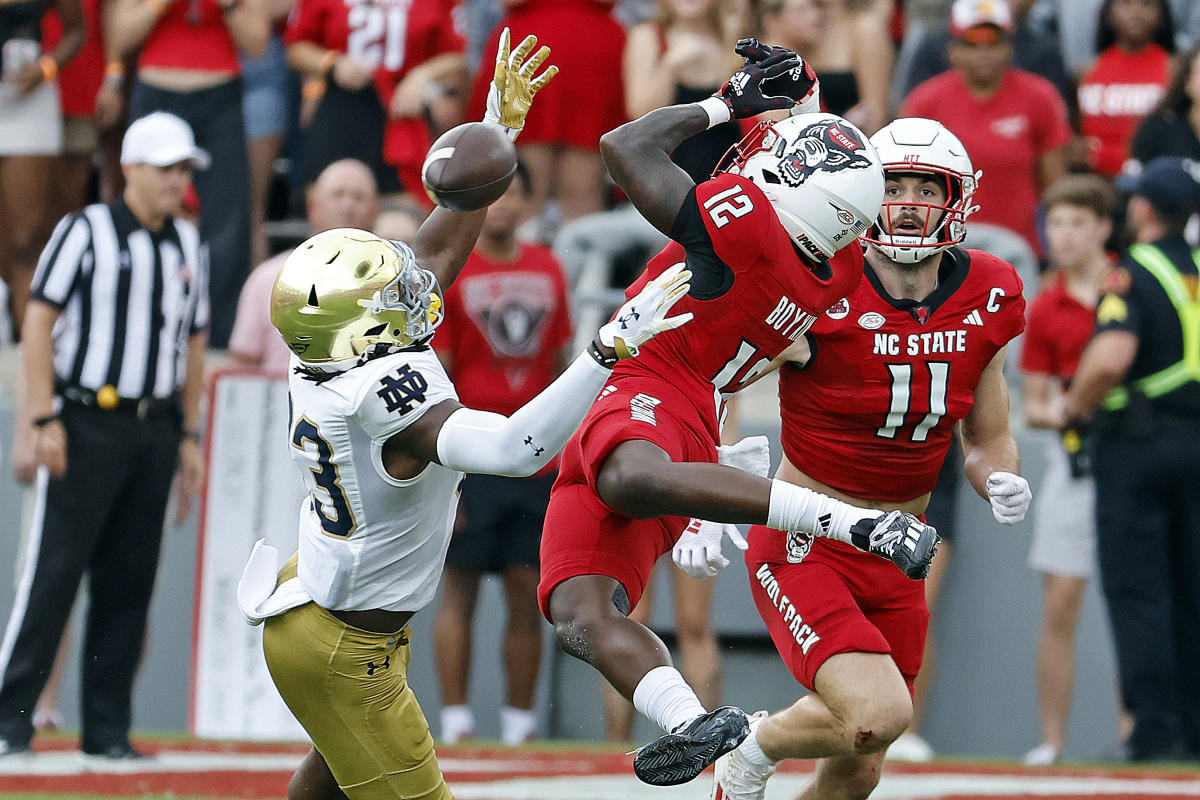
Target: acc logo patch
[
  {"x": 1118, "y": 280},
  {"x": 871, "y": 320},
  {"x": 839, "y": 310},
  {"x": 1112, "y": 309}
]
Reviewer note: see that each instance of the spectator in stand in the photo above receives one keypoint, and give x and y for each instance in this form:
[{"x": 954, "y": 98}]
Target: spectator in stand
[
  {"x": 1173, "y": 129},
  {"x": 343, "y": 196},
  {"x": 1012, "y": 122},
  {"x": 30, "y": 134},
  {"x": 266, "y": 107},
  {"x": 561, "y": 143},
  {"x": 682, "y": 56},
  {"x": 1079, "y": 211},
  {"x": 849, "y": 45},
  {"x": 1127, "y": 79},
  {"x": 505, "y": 337},
  {"x": 188, "y": 65},
  {"x": 398, "y": 223},
  {"x": 373, "y": 64},
  {"x": 1033, "y": 51}
]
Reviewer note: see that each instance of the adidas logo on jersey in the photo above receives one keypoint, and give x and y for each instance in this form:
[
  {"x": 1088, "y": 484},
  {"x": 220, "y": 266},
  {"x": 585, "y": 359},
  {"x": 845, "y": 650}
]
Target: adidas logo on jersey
[{"x": 973, "y": 318}]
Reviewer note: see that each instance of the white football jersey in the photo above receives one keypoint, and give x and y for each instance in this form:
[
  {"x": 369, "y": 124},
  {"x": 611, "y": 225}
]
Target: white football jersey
[{"x": 368, "y": 540}]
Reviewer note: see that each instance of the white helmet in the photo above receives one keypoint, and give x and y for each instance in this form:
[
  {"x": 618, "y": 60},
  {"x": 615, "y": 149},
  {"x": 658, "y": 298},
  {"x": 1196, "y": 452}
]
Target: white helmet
[
  {"x": 820, "y": 174},
  {"x": 916, "y": 145}
]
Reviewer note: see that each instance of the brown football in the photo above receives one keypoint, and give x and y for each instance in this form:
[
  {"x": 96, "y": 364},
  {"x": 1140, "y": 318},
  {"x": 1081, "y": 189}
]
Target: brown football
[{"x": 469, "y": 166}]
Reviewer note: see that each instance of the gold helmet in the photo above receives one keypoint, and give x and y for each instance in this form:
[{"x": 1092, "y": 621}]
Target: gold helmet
[{"x": 344, "y": 291}]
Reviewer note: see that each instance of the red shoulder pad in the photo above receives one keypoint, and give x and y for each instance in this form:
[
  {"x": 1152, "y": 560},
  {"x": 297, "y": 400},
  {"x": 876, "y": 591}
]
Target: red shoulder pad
[{"x": 738, "y": 217}]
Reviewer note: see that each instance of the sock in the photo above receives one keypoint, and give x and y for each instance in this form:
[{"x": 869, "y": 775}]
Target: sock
[
  {"x": 664, "y": 698},
  {"x": 517, "y": 725},
  {"x": 458, "y": 722},
  {"x": 750, "y": 750},
  {"x": 795, "y": 508}
]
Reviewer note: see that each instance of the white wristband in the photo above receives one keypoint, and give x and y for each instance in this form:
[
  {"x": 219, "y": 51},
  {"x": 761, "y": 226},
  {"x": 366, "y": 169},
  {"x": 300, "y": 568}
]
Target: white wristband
[
  {"x": 796, "y": 508},
  {"x": 717, "y": 110}
]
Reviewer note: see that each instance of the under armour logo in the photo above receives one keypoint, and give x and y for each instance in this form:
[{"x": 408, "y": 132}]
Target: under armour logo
[
  {"x": 400, "y": 392},
  {"x": 632, "y": 316},
  {"x": 372, "y": 666},
  {"x": 537, "y": 451}
]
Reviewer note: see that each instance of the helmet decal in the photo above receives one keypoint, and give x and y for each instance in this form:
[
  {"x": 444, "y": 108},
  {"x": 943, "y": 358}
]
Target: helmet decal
[{"x": 826, "y": 146}]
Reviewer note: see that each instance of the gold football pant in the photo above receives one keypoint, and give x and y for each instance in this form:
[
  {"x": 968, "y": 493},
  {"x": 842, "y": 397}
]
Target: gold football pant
[{"x": 349, "y": 690}]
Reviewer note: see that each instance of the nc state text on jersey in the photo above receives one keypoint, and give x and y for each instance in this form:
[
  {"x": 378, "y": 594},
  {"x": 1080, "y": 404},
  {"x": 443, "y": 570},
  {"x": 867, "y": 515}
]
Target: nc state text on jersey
[{"x": 921, "y": 344}]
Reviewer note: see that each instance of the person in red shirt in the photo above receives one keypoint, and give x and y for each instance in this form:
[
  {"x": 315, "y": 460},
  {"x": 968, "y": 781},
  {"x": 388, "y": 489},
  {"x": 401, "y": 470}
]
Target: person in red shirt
[
  {"x": 765, "y": 242},
  {"x": 1079, "y": 212},
  {"x": 1127, "y": 80},
  {"x": 869, "y": 399},
  {"x": 1013, "y": 123},
  {"x": 505, "y": 336},
  {"x": 377, "y": 60}
]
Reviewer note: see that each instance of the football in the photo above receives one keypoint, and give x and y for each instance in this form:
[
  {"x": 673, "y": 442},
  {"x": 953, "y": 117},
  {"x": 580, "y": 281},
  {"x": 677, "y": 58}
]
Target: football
[{"x": 469, "y": 166}]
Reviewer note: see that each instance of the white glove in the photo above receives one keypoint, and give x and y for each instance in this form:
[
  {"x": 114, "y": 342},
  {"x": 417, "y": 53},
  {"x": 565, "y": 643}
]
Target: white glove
[
  {"x": 1009, "y": 495},
  {"x": 752, "y": 454},
  {"x": 698, "y": 551},
  {"x": 513, "y": 85},
  {"x": 645, "y": 316}
]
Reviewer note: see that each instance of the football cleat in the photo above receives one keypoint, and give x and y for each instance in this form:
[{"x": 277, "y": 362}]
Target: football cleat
[
  {"x": 680, "y": 756},
  {"x": 900, "y": 538},
  {"x": 737, "y": 778}
]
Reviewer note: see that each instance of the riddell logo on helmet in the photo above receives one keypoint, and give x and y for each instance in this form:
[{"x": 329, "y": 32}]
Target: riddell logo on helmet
[{"x": 822, "y": 147}]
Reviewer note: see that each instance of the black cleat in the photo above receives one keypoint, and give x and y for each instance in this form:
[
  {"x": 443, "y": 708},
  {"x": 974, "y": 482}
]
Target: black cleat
[
  {"x": 900, "y": 538},
  {"x": 680, "y": 756}
]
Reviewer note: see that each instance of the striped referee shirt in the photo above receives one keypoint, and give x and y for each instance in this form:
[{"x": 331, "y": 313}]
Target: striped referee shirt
[{"x": 129, "y": 297}]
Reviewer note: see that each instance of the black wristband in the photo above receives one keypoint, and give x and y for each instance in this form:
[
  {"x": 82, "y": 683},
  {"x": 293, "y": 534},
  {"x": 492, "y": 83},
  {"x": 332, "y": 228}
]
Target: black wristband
[
  {"x": 608, "y": 362},
  {"x": 42, "y": 422}
]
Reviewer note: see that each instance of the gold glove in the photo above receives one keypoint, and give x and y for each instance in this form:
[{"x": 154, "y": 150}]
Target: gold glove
[{"x": 513, "y": 85}]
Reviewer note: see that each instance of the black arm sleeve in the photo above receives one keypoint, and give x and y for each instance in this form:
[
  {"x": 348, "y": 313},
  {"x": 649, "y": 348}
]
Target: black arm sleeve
[{"x": 711, "y": 277}]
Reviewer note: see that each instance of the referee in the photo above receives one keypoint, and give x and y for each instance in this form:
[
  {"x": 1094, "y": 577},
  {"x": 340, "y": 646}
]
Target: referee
[
  {"x": 1141, "y": 372},
  {"x": 113, "y": 343}
]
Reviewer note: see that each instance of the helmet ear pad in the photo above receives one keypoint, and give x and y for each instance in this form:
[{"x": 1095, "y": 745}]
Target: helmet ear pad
[
  {"x": 915, "y": 145},
  {"x": 343, "y": 291},
  {"x": 820, "y": 173}
]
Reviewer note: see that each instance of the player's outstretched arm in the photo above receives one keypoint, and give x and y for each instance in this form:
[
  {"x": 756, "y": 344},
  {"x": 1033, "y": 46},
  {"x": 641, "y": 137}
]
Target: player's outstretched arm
[
  {"x": 992, "y": 462},
  {"x": 469, "y": 440},
  {"x": 638, "y": 154},
  {"x": 446, "y": 238}
]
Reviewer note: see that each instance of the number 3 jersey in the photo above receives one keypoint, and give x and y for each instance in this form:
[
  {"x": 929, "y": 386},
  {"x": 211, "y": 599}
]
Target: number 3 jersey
[
  {"x": 368, "y": 540},
  {"x": 871, "y": 413},
  {"x": 752, "y": 294}
]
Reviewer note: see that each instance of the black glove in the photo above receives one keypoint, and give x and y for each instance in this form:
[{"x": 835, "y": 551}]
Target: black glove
[
  {"x": 795, "y": 83},
  {"x": 743, "y": 91}
]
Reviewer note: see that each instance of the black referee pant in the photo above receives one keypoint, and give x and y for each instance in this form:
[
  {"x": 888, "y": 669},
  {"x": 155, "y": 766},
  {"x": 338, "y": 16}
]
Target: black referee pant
[
  {"x": 103, "y": 518},
  {"x": 1148, "y": 537}
]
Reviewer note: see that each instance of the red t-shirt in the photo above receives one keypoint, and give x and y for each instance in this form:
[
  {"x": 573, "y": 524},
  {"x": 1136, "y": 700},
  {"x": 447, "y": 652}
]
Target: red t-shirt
[
  {"x": 504, "y": 325},
  {"x": 1059, "y": 329},
  {"x": 773, "y": 299},
  {"x": 1115, "y": 94},
  {"x": 872, "y": 413},
  {"x": 80, "y": 79},
  {"x": 191, "y": 34},
  {"x": 1004, "y": 136},
  {"x": 391, "y": 37}
]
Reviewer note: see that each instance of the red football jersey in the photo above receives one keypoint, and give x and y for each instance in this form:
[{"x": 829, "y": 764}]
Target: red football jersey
[
  {"x": 872, "y": 413},
  {"x": 773, "y": 299}
]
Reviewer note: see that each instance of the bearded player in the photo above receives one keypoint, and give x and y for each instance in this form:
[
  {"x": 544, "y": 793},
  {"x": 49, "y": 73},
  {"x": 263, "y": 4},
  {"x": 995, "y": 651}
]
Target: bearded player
[
  {"x": 869, "y": 399},
  {"x": 765, "y": 241}
]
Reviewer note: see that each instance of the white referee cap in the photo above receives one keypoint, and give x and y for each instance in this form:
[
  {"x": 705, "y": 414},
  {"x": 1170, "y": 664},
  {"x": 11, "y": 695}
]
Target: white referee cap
[{"x": 162, "y": 139}]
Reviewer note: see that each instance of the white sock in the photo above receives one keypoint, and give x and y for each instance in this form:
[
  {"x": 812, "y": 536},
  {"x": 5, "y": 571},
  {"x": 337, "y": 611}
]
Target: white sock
[
  {"x": 458, "y": 722},
  {"x": 517, "y": 725},
  {"x": 665, "y": 698},
  {"x": 750, "y": 750},
  {"x": 796, "y": 508}
]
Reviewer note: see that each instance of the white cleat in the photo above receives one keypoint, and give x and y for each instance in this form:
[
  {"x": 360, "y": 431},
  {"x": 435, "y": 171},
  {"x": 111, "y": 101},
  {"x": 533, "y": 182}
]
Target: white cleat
[
  {"x": 910, "y": 747},
  {"x": 736, "y": 778},
  {"x": 1044, "y": 755}
]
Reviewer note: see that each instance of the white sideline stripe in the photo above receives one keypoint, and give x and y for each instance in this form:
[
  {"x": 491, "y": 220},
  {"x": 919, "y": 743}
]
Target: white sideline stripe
[{"x": 33, "y": 550}]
